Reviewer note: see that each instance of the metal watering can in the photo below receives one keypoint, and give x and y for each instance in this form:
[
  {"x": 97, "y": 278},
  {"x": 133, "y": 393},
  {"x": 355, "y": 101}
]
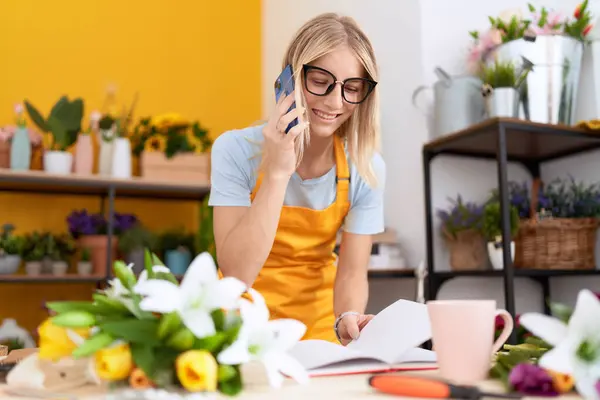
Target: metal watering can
[{"x": 458, "y": 103}]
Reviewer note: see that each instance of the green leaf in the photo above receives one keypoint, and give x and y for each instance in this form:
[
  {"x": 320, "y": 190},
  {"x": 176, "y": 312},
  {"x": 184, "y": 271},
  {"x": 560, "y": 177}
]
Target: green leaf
[
  {"x": 59, "y": 133},
  {"x": 169, "y": 323},
  {"x": 74, "y": 319},
  {"x": 36, "y": 117},
  {"x": 166, "y": 276},
  {"x": 218, "y": 317},
  {"x": 232, "y": 386},
  {"x": 124, "y": 274},
  {"x": 143, "y": 357},
  {"x": 148, "y": 264},
  {"x": 93, "y": 344},
  {"x": 66, "y": 306},
  {"x": 211, "y": 343},
  {"x": 561, "y": 311},
  {"x": 143, "y": 331},
  {"x": 156, "y": 260},
  {"x": 108, "y": 306},
  {"x": 226, "y": 372},
  {"x": 181, "y": 340}
]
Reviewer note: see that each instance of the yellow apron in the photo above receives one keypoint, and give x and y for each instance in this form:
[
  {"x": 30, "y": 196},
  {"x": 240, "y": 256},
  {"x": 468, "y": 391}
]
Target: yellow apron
[{"x": 298, "y": 277}]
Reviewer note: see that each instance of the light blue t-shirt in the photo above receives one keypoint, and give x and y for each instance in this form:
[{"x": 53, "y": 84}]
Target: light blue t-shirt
[{"x": 235, "y": 159}]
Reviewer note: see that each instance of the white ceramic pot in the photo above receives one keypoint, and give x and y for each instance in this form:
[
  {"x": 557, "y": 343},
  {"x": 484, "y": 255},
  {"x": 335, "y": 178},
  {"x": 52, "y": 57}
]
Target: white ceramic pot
[
  {"x": 58, "y": 162},
  {"x": 33, "y": 267},
  {"x": 59, "y": 268},
  {"x": 84, "y": 267},
  {"x": 121, "y": 158},
  {"x": 9, "y": 264},
  {"x": 495, "y": 254}
]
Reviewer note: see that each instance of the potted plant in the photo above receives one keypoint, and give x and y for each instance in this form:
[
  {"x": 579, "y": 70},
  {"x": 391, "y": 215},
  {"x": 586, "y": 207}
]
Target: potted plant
[
  {"x": 20, "y": 148},
  {"x": 501, "y": 82},
  {"x": 492, "y": 231},
  {"x": 132, "y": 244},
  {"x": 64, "y": 248},
  {"x": 177, "y": 248},
  {"x": 171, "y": 147},
  {"x": 461, "y": 229},
  {"x": 90, "y": 230},
  {"x": 63, "y": 124},
  {"x": 11, "y": 250},
  {"x": 84, "y": 265},
  {"x": 84, "y": 148},
  {"x": 34, "y": 252}
]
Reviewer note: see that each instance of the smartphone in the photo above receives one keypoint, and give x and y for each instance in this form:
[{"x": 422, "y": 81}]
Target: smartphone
[{"x": 284, "y": 85}]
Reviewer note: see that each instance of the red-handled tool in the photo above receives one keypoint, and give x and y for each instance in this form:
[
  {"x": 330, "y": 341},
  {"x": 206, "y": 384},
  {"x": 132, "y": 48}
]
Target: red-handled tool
[{"x": 415, "y": 386}]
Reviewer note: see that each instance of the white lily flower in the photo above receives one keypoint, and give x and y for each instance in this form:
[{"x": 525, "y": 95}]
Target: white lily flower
[
  {"x": 200, "y": 292},
  {"x": 266, "y": 341},
  {"x": 576, "y": 346}
]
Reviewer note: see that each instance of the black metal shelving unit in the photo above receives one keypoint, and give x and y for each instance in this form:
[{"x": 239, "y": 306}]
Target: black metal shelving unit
[
  {"x": 106, "y": 189},
  {"x": 504, "y": 140}
]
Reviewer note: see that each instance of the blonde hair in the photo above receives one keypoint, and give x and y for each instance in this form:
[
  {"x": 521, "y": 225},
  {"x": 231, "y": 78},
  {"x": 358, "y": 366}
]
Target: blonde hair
[{"x": 316, "y": 38}]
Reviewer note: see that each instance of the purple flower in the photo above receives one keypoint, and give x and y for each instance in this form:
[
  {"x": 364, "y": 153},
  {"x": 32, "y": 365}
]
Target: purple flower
[
  {"x": 82, "y": 223},
  {"x": 124, "y": 222},
  {"x": 598, "y": 387},
  {"x": 531, "y": 379}
]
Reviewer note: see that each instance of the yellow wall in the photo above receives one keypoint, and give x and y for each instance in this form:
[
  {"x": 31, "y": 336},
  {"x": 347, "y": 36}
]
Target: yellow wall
[{"x": 200, "y": 58}]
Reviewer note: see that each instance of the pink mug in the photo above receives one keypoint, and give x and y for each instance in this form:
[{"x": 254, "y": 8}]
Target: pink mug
[{"x": 463, "y": 337}]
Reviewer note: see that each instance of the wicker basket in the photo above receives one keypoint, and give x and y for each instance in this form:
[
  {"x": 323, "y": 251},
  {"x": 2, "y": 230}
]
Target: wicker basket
[
  {"x": 467, "y": 251},
  {"x": 555, "y": 243}
]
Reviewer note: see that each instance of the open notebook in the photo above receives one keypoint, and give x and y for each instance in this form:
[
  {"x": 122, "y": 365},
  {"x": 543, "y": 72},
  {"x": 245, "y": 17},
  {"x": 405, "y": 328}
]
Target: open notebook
[{"x": 389, "y": 342}]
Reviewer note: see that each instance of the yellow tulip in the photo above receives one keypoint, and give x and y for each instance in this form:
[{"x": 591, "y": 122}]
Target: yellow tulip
[
  {"x": 562, "y": 383},
  {"x": 114, "y": 363},
  {"x": 55, "y": 343},
  {"x": 197, "y": 371}
]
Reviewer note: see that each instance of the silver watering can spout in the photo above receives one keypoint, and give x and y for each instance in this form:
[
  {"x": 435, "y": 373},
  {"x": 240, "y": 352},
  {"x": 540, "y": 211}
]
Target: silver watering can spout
[
  {"x": 443, "y": 76},
  {"x": 526, "y": 67}
]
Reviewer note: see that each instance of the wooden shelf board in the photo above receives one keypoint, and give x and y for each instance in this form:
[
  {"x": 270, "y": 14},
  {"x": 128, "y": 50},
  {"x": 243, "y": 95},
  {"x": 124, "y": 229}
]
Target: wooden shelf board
[{"x": 75, "y": 278}]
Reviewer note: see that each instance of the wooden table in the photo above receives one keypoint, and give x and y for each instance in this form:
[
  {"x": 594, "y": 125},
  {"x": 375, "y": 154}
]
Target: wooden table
[{"x": 348, "y": 387}]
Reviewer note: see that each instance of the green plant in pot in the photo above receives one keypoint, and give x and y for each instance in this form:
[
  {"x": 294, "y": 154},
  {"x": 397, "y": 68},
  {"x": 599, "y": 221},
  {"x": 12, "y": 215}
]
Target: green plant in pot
[
  {"x": 34, "y": 253},
  {"x": 63, "y": 123},
  {"x": 64, "y": 248},
  {"x": 84, "y": 265},
  {"x": 492, "y": 231},
  {"x": 11, "y": 250},
  {"x": 132, "y": 244},
  {"x": 177, "y": 247}
]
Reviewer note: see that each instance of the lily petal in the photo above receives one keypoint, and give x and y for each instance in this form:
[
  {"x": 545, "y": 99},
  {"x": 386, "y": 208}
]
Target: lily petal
[
  {"x": 162, "y": 296},
  {"x": 224, "y": 293},
  {"x": 237, "y": 353},
  {"x": 199, "y": 322},
  {"x": 288, "y": 332},
  {"x": 550, "y": 329},
  {"x": 157, "y": 268},
  {"x": 560, "y": 358},
  {"x": 586, "y": 381},
  {"x": 202, "y": 270},
  {"x": 290, "y": 367},
  {"x": 586, "y": 316},
  {"x": 271, "y": 364}
]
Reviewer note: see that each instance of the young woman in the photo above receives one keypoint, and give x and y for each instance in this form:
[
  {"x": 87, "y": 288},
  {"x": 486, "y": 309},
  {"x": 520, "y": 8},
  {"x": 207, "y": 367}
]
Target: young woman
[{"x": 280, "y": 199}]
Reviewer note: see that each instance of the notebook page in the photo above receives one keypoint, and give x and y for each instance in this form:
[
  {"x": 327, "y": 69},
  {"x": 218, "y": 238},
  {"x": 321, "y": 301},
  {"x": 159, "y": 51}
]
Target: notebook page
[
  {"x": 317, "y": 353},
  {"x": 401, "y": 326}
]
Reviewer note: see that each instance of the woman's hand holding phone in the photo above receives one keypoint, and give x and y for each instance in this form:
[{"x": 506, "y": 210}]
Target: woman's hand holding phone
[{"x": 279, "y": 147}]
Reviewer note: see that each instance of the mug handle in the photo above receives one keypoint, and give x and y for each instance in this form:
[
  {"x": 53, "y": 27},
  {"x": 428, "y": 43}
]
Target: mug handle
[
  {"x": 508, "y": 328},
  {"x": 416, "y": 94}
]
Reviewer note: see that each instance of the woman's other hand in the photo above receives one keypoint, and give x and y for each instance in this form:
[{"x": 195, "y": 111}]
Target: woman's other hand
[
  {"x": 350, "y": 326},
  {"x": 279, "y": 147}
]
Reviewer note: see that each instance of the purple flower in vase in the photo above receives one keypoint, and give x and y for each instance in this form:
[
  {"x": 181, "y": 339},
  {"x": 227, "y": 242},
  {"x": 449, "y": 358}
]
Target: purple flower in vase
[
  {"x": 82, "y": 223},
  {"x": 532, "y": 379},
  {"x": 124, "y": 222}
]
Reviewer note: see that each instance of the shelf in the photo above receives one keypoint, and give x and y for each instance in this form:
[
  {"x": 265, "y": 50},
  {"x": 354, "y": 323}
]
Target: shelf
[
  {"x": 525, "y": 141},
  {"x": 43, "y": 182},
  {"x": 392, "y": 273},
  {"x": 531, "y": 273},
  {"x": 68, "y": 278}
]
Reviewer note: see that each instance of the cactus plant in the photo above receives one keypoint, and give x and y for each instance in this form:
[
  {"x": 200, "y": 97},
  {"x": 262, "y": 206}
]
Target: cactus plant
[{"x": 63, "y": 122}]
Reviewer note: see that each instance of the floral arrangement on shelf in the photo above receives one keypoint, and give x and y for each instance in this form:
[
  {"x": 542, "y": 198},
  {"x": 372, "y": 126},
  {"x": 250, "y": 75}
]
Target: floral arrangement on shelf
[
  {"x": 499, "y": 75},
  {"x": 513, "y": 25},
  {"x": 492, "y": 221},
  {"x": 562, "y": 352},
  {"x": 153, "y": 333},
  {"x": 462, "y": 216},
  {"x": 560, "y": 198},
  {"x": 170, "y": 134},
  {"x": 117, "y": 123},
  {"x": 82, "y": 223},
  {"x": 62, "y": 125}
]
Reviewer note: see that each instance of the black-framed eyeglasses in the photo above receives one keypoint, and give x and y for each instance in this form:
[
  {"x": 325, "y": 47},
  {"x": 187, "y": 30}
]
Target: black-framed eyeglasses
[{"x": 320, "y": 82}]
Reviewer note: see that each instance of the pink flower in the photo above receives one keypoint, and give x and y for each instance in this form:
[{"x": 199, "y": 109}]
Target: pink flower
[
  {"x": 18, "y": 108},
  {"x": 486, "y": 42},
  {"x": 554, "y": 22},
  {"x": 531, "y": 379},
  {"x": 95, "y": 116}
]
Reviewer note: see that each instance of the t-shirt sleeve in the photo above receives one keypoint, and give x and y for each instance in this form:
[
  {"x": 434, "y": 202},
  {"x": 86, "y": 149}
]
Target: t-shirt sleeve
[
  {"x": 366, "y": 216},
  {"x": 230, "y": 178}
]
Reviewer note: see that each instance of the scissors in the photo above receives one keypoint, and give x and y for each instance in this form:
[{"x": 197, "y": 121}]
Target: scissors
[{"x": 415, "y": 386}]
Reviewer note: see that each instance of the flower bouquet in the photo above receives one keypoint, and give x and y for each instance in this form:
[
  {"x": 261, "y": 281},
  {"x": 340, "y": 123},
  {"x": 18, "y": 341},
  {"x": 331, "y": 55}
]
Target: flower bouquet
[
  {"x": 461, "y": 228},
  {"x": 563, "y": 352},
  {"x": 170, "y": 146},
  {"x": 156, "y": 335}
]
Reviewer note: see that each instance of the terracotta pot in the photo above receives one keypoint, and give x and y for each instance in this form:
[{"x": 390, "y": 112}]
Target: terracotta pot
[
  {"x": 4, "y": 154},
  {"x": 97, "y": 245}
]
